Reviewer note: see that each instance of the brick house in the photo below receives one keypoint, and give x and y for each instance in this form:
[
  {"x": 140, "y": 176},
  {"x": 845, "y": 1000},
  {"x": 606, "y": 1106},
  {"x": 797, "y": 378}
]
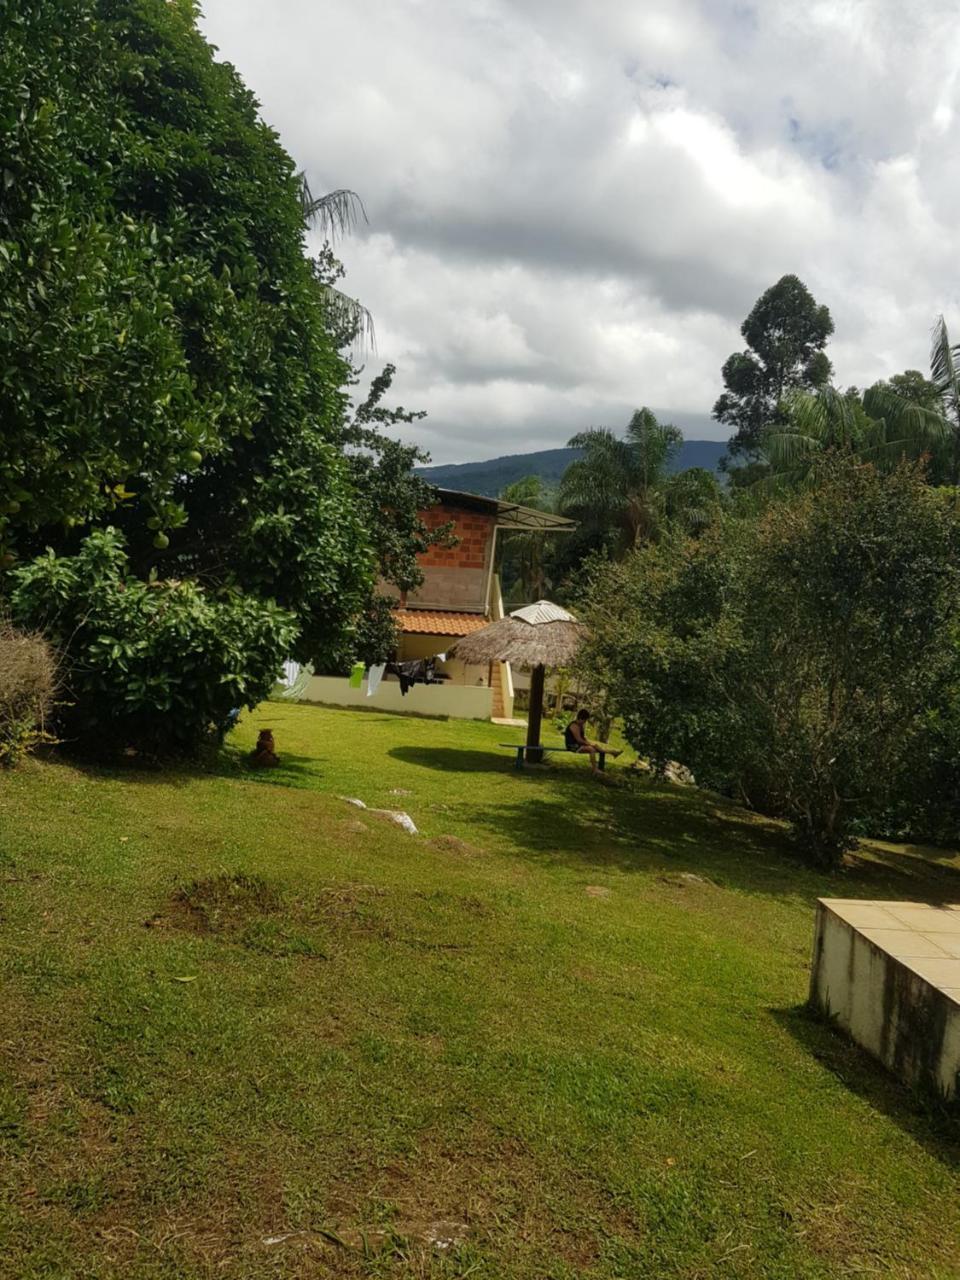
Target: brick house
[{"x": 460, "y": 594}]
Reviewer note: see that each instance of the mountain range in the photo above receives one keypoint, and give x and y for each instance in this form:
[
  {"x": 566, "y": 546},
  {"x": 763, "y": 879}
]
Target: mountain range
[{"x": 490, "y": 478}]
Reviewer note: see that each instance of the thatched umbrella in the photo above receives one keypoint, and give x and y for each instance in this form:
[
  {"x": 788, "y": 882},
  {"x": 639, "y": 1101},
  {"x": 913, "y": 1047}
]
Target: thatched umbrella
[{"x": 538, "y": 636}]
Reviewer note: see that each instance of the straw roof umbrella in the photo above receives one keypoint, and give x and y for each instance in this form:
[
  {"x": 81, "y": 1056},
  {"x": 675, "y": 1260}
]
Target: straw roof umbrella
[{"x": 538, "y": 636}]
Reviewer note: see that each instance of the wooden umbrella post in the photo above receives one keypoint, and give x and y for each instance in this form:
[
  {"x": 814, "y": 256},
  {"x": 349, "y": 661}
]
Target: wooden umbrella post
[{"x": 535, "y": 715}]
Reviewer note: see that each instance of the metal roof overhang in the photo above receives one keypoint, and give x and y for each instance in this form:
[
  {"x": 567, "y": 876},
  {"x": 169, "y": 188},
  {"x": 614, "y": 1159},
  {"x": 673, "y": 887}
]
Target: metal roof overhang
[{"x": 509, "y": 515}]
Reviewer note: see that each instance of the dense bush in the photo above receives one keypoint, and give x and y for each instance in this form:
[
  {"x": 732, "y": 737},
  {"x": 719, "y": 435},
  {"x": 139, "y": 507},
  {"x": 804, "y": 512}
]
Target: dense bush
[
  {"x": 156, "y": 665},
  {"x": 28, "y": 678},
  {"x": 924, "y": 802},
  {"x": 793, "y": 660}
]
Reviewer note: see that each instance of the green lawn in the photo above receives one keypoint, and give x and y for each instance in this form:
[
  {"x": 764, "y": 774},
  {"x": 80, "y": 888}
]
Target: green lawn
[{"x": 249, "y": 1031}]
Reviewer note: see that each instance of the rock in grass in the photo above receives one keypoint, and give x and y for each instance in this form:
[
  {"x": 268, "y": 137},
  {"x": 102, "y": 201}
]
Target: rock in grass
[
  {"x": 396, "y": 815},
  {"x": 392, "y": 815}
]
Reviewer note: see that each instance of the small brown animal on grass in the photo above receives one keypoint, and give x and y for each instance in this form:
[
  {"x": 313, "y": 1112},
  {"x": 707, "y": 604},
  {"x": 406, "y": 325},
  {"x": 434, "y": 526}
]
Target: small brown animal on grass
[{"x": 264, "y": 754}]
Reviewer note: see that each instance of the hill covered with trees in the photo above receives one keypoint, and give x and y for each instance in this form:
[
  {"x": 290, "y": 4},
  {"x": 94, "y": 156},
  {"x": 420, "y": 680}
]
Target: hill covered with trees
[{"x": 493, "y": 476}]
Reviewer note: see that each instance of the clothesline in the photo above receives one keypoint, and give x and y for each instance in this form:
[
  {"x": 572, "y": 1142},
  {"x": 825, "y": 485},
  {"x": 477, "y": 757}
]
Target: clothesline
[{"x": 415, "y": 671}]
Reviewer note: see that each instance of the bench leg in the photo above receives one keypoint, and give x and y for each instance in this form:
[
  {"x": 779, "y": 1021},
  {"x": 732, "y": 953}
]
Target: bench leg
[
  {"x": 518, "y": 763},
  {"x": 603, "y": 760}
]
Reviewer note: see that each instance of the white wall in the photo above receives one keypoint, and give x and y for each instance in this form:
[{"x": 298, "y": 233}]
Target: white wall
[{"x": 459, "y": 701}]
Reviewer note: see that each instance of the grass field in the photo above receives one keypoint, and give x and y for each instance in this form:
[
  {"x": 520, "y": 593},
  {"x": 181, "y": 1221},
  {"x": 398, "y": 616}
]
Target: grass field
[{"x": 247, "y": 1030}]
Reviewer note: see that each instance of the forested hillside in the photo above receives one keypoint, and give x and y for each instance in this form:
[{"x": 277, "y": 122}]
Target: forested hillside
[{"x": 492, "y": 476}]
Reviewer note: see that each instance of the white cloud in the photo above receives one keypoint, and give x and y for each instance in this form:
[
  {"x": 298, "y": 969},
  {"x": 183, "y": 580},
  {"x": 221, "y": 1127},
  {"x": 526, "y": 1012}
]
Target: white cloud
[{"x": 574, "y": 203}]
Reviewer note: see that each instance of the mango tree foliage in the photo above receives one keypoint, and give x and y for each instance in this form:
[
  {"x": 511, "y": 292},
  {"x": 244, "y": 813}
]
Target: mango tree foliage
[{"x": 165, "y": 362}]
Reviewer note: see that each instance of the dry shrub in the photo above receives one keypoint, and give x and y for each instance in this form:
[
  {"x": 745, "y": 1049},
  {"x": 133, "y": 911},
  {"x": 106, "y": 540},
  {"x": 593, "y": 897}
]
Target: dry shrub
[{"x": 28, "y": 681}]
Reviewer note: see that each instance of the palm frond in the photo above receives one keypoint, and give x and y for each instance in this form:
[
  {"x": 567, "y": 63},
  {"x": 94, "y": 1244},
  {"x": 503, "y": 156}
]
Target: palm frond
[
  {"x": 596, "y": 486},
  {"x": 334, "y": 214},
  {"x": 807, "y": 414},
  {"x": 594, "y": 440},
  {"x": 785, "y": 449},
  {"x": 349, "y": 318},
  {"x": 652, "y": 444},
  {"x": 891, "y": 452},
  {"x": 768, "y": 487},
  {"x": 904, "y": 418},
  {"x": 943, "y": 361}
]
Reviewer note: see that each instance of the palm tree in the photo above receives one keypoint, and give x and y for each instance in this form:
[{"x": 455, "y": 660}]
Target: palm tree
[
  {"x": 524, "y": 558},
  {"x": 618, "y": 483},
  {"x": 883, "y": 427},
  {"x": 334, "y": 214},
  {"x": 910, "y": 426}
]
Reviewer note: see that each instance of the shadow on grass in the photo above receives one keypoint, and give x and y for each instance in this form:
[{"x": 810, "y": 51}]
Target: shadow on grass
[
  {"x": 458, "y": 760},
  {"x": 292, "y": 771},
  {"x": 566, "y": 816},
  {"x": 658, "y": 830},
  {"x": 931, "y": 1123},
  {"x": 229, "y": 762}
]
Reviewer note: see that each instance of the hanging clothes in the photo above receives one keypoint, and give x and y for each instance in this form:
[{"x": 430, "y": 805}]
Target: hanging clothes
[
  {"x": 356, "y": 675},
  {"x": 419, "y": 671},
  {"x": 374, "y": 676}
]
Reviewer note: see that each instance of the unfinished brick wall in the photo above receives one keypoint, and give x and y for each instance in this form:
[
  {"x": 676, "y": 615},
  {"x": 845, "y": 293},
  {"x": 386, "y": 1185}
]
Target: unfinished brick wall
[{"x": 474, "y": 530}]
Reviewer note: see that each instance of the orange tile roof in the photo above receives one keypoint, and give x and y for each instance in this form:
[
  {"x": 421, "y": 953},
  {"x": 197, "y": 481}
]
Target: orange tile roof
[{"x": 438, "y": 622}]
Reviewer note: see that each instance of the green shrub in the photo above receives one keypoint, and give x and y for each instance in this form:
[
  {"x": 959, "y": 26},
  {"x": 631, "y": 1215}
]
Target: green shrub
[
  {"x": 791, "y": 660},
  {"x": 28, "y": 677},
  {"x": 158, "y": 666},
  {"x": 924, "y": 803}
]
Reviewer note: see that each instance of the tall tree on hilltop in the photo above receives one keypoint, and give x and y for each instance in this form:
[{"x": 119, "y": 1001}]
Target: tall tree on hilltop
[
  {"x": 786, "y": 333},
  {"x": 912, "y": 386}
]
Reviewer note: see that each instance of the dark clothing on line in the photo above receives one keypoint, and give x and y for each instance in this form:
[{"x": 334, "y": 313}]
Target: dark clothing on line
[{"x": 421, "y": 671}]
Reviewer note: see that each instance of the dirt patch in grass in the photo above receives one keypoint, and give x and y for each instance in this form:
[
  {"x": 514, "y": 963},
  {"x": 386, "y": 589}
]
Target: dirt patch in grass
[
  {"x": 243, "y": 909},
  {"x": 219, "y": 904},
  {"x": 458, "y": 1192},
  {"x": 251, "y": 912},
  {"x": 353, "y": 827},
  {"x": 453, "y": 844}
]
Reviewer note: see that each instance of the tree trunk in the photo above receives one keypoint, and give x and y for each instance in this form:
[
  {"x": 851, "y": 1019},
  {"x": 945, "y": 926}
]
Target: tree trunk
[{"x": 534, "y": 715}]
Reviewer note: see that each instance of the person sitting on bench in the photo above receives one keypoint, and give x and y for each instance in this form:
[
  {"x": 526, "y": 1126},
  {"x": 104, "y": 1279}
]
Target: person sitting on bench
[{"x": 575, "y": 739}]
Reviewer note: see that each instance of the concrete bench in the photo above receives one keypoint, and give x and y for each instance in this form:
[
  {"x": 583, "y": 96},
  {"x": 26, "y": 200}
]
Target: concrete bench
[{"x": 518, "y": 763}]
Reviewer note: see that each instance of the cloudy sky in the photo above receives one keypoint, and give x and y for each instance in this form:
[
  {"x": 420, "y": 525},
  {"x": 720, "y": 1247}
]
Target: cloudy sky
[{"x": 573, "y": 204}]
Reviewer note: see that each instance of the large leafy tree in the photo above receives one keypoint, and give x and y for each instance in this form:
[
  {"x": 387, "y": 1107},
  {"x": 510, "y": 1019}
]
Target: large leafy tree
[
  {"x": 785, "y": 333},
  {"x": 791, "y": 659},
  {"x": 168, "y": 364}
]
